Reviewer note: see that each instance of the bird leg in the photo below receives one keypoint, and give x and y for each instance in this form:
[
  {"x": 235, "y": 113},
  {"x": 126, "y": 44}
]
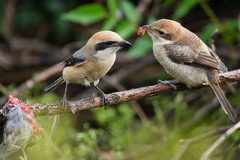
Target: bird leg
[
  {"x": 105, "y": 101},
  {"x": 65, "y": 102},
  {"x": 170, "y": 83},
  {"x": 86, "y": 82}
]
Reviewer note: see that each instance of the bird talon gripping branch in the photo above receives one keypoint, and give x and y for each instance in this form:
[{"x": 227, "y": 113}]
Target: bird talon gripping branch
[
  {"x": 105, "y": 102},
  {"x": 170, "y": 83}
]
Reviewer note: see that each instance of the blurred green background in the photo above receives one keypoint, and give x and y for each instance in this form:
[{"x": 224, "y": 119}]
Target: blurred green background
[{"x": 36, "y": 34}]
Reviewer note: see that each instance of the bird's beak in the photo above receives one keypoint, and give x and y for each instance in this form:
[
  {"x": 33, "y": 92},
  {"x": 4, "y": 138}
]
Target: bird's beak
[
  {"x": 147, "y": 28},
  {"x": 125, "y": 44}
]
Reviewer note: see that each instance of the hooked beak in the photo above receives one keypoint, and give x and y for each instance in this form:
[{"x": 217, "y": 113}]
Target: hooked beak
[
  {"x": 147, "y": 28},
  {"x": 125, "y": 44}
]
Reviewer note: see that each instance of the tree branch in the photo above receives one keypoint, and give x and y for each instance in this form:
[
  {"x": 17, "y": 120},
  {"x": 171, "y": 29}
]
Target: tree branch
[
  {"x": 123, "y": 96},
  {"x": 219, "y": 141},
  {"x": 187, "y": 142}
]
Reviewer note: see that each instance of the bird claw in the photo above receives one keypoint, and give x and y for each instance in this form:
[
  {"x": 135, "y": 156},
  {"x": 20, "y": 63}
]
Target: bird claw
[
  {"x": 170, "y": 83},
  {"x": 73, "y": 108},
  {"x": 105, "y": 101}
]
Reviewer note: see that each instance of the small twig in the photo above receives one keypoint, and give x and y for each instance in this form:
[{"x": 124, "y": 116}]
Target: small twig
[
  {"x": 31, "y": 82},
  {"x": 187, "y": 142},
  {"x": 199, "y": 115},
  {"x": 219, "y": 141}
]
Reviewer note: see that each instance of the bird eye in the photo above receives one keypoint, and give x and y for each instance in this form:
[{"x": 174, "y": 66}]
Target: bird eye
[{"x": 161, "y": 33}]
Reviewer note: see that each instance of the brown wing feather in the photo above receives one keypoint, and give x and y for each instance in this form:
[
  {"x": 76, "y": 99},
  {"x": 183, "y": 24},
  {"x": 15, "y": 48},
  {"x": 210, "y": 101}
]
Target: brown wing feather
[
  {"x": 207, "y": 60},
  {"x": 183, "y": 54},
  {"x": 222, "y": 66},
  {"x": 180, "y": 54}
]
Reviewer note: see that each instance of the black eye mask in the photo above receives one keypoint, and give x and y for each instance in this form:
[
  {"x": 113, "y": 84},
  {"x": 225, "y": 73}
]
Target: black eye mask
[{"x": 104, "y": 45}]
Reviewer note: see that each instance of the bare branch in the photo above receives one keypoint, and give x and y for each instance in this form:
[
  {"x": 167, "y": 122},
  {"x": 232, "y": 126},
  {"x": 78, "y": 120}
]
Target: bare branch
[
  {"x": 219, "y": 141},
  {"x": 31, "y": 82},
  {"x": 187, "y": 142},
  {"x": 123, "y": 96}
]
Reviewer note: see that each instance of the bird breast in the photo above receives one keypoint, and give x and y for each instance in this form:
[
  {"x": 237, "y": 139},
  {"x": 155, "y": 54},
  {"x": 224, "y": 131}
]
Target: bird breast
[
  {"x": 190, "y": 75},
  {"x": 92, "y": 70}
]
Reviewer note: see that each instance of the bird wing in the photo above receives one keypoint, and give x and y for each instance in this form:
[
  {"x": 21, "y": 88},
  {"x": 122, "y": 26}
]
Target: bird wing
[
  {"x": 76, "y": 59},
  {"x": 183, "y": 54},
  {"x": 222, "y": 66}
]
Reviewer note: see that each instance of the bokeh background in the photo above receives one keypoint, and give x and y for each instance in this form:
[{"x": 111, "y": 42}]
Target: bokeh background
[{"x": 37, "y": 34}]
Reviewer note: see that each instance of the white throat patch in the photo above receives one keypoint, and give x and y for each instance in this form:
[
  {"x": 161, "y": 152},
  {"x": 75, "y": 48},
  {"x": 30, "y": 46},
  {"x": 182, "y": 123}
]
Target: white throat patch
[
  {"x": 159, "y": 40},
  {"x": 106, "y": 53},
  {"x": 163, "y": 42}
]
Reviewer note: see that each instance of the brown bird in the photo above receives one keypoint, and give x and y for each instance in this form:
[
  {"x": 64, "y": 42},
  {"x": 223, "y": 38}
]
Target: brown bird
[
  {"x": 87, "y": 65},
  {"x": 90, "y": 63},
  {"x": 187, "y": 58}
]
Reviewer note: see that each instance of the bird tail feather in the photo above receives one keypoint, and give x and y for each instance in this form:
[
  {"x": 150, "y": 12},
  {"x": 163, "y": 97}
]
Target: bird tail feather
[
  {"x": 55, "y": 84},
  {"x": 227, "y": 107}
]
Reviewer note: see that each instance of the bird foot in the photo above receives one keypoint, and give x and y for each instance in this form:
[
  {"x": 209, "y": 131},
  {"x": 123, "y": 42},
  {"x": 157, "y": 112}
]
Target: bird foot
[
  {"x": 105, "y": 101},
  {"x": 73, "y": 108},
  {"x": 170, "y": 83}
]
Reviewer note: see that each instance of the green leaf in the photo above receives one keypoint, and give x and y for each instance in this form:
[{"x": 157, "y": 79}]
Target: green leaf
[
  {"x": 113, "y": 6},
  {"x": 126, "y": 29},
  {"x": 207, "y": 32},
  {"x": 86, "y": 14},
  {"x": 183, "y": 8},
  {"x": 110, "y": 23},
  {"x": 130, "y": 11},
  {"x": 141, "y": 46}
]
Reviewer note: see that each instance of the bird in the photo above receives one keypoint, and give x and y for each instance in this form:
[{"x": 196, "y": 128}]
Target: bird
[
  {"x": 187, "y": 58},
  {"x": 90, "y": 63}
]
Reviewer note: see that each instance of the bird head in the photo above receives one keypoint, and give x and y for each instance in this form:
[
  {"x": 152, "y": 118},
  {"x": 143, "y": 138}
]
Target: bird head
[
  {"x": 105, "y": 43},
  {"x": 163, "y": 31}
]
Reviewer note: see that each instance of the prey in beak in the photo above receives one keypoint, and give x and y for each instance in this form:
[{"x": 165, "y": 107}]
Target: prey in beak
[{"x": 143, "y": 29}]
